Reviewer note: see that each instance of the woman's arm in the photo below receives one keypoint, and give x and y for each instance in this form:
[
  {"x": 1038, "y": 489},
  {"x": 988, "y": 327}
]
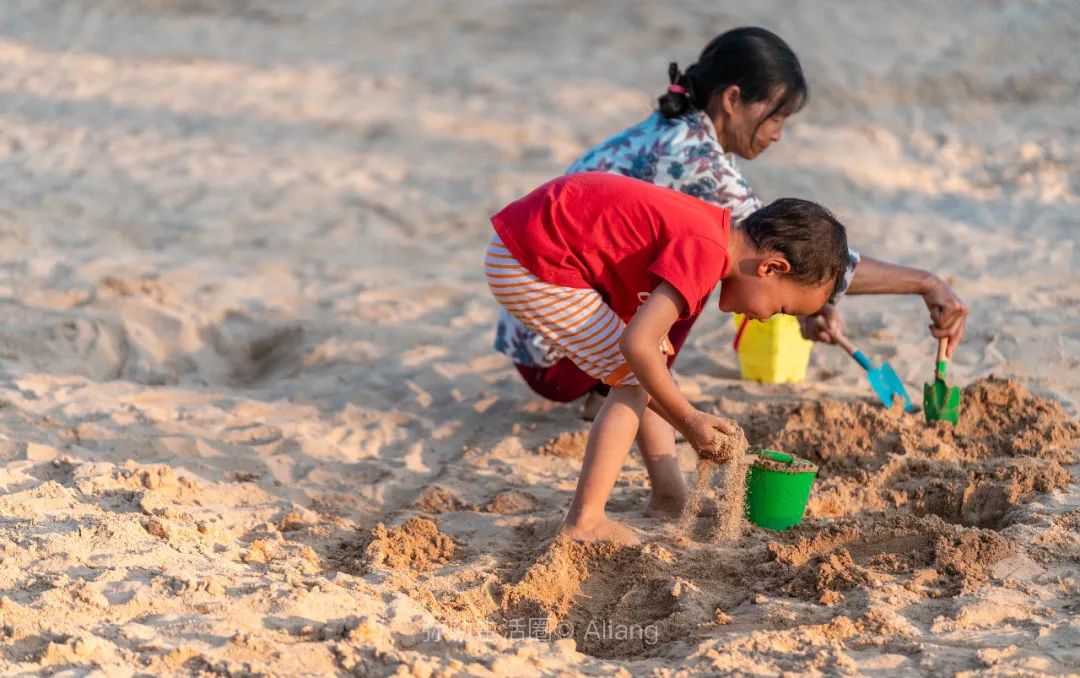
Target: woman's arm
[
  {"x": 947, "y": 312},
  {"x": 873, "y": 276}
]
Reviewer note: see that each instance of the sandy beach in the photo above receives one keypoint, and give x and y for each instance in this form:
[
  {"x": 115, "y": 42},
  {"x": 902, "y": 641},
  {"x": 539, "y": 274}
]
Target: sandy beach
[{"x": 250, "y": 417}]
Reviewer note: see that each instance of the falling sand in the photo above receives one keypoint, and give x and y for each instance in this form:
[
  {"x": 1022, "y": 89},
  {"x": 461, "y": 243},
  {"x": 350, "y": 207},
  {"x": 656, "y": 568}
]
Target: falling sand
[
  {"x": 729, "y": 449},
  {"x": 706, "y": 470},
  {"x": 730, "y": 516}
]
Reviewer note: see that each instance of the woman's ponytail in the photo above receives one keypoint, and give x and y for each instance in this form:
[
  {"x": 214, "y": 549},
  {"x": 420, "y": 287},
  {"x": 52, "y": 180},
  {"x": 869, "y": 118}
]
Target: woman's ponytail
[{"x": 676, "y": 100}]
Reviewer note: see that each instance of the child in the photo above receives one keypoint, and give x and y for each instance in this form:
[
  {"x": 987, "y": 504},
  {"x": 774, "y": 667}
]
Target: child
[{"x": 602, "y": 266}]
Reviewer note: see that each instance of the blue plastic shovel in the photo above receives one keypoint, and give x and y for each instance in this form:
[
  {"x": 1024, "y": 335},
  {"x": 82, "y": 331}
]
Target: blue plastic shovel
[{"x": 885, "y": 382}]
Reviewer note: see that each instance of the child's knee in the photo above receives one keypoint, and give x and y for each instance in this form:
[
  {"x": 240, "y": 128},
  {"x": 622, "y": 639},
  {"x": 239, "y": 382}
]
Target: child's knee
[{"x": 634, "y": 394}]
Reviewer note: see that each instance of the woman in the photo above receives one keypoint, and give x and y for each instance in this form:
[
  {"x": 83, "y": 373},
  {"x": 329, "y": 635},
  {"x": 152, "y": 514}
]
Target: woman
[{"x": 733, "y": 102}]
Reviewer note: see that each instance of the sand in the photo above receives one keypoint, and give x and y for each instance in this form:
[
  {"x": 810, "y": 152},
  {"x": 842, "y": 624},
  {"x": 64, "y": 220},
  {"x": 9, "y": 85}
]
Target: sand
[
  {"x": 706, "y": 471},
  {"x": 884, "y": 543},
  {"x": 797, "y": 465},
  {"x": 732, "y": 505},
  {"x": 729, "y": 451},
  {"x": 726, "y": 448},
  {"x": 250, "y": 421}
]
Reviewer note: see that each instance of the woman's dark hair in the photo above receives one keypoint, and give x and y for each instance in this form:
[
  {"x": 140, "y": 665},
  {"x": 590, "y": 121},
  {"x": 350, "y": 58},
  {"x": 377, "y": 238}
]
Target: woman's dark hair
[
  {"x": 755, "y": 59},
  {"x": 807, "y": 234}
]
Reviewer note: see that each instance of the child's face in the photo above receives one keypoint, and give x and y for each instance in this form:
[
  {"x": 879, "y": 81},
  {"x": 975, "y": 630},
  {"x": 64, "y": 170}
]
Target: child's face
[{"x": 760, "y": 294}]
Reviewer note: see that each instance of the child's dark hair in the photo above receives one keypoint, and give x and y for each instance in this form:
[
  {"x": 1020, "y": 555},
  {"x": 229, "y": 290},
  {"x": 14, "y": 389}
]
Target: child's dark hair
[
  {"x": 755, "y": 59},
  {"x": 807, "y": 234}
]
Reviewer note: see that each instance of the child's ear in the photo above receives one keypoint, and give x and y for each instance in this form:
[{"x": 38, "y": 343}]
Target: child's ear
[{"x": 773, "y": 264}]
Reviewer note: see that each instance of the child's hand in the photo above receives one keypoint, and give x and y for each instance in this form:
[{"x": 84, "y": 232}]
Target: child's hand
[
  {"x": 947, "y": 312},
  {"x": 701, "y": 428},
  {"x": 823, "y": 325}
]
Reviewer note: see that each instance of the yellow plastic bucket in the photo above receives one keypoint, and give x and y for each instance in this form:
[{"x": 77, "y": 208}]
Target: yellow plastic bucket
[{"x": 771, "y": 351}]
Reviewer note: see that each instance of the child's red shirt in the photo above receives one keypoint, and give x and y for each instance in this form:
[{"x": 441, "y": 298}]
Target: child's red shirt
[{"x": 619, "y": 236}]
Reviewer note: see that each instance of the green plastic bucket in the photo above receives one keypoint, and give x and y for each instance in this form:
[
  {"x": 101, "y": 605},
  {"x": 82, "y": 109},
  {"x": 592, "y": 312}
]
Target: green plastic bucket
[{"x": 776, "y": 500}]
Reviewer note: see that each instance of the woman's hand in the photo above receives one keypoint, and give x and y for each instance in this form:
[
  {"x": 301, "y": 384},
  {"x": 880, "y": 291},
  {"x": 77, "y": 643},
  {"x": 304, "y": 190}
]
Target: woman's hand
[
  {"x": 700, "y": 429},
  {"x": 823, "y": 325},
  {"x": 948, "y": 314}
]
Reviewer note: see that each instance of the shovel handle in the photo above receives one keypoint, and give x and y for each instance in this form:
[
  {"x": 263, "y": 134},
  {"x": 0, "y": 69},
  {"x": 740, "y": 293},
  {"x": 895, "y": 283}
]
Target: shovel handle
[
  {"x": 942, "y": 357},
  {"x": 843, "y": 343},
  {"x": 855, "y": 353}
]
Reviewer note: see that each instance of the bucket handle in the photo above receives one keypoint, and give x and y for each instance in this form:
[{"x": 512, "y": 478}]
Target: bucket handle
[
  {"x": 739, "y": 333},
  {"x": 781, "y": 457}
]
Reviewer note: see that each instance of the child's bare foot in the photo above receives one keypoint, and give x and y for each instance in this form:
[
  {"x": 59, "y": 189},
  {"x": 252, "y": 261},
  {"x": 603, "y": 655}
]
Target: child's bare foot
[
  {"x": 666, "y": 505},
  {"x": 669, "y": 507},
  {"x": 604, "y": 529}
]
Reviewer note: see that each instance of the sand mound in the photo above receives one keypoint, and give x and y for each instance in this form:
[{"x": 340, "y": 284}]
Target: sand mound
[
  {"x": 416, "y": 546},
  {"x": 619, "y": 601},
  {"x": 906, "y": 504},
  {"x": 570, "y": 445},
  {"x": 549, "y": 586},
  {"x": 866, "y": 553},
  {"x": 511, "y": 501},
  {"x": 1008, "y": 446},
  {"x": 998, "y": 417},
  {"x": 439, "y": 499},
  {"x": 650, "y": 600}
]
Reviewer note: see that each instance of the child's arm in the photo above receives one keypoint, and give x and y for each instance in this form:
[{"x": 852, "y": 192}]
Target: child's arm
[
  {"x": 947, "y": 312},
  {"x": 640, "y": 346}
]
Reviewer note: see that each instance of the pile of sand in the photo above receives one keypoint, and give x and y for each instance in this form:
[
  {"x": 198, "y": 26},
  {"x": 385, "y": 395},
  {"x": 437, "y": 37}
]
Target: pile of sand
[
  {"x": 569, "y": 445},
  {"x": 1007, "y": 446},
  {"x": 664, "y": 594},
  {"x": 415, "y": 546},
  {"x": 908, "y": 508},
  {"x": 439, "y": 499}
]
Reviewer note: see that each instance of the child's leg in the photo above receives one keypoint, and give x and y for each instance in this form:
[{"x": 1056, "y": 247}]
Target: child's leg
[
  {"x": 580, "y": 324},
  {"x": 656, "y": 440},
  {"x": 610, "y": 439}
]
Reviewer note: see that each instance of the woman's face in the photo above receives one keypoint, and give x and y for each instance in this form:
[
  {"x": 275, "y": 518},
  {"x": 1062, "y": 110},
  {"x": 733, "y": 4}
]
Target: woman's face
[{"x": 747, "y": 129}]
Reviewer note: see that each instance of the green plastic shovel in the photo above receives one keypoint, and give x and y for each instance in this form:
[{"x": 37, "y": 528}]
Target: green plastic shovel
[{"x": 940, "y": 402}]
